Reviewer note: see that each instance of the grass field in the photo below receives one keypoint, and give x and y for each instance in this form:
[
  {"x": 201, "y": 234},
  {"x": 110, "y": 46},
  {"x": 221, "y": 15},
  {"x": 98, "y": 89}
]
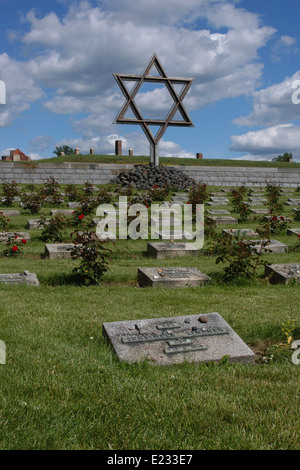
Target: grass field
[
  {"x": 165, "y": 161},
  {"x": 62, "y": 386}
]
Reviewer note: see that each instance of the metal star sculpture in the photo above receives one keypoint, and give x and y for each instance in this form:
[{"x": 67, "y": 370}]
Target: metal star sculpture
[{"x": 145, "y": 123}]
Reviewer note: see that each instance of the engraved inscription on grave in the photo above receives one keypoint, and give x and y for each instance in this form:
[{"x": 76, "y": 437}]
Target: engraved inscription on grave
[{"x": 177, "y": 339}]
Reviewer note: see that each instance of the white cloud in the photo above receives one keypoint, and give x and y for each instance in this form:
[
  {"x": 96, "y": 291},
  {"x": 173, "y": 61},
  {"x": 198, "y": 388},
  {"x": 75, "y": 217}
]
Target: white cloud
[
  {"x": 270, "y": 141},
  {"x": 273, "y": 105},
  {"x": 71, "y": 59}
]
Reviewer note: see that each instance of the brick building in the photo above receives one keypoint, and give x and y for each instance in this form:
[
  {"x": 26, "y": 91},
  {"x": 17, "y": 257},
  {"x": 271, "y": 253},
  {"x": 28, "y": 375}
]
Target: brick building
[{"x": 16, "y": 156}]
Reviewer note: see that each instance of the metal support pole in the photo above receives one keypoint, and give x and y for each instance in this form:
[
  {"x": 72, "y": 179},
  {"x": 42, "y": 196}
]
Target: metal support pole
[{"x": 154, "y": 154}]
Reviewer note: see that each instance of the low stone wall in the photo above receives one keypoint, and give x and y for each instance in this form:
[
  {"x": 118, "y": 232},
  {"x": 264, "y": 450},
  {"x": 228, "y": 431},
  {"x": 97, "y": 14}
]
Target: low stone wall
[{"x": 79, "y": 173}]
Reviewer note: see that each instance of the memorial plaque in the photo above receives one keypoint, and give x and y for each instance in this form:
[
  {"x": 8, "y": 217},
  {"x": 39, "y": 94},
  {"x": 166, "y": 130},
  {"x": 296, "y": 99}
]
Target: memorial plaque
[
  {"x": 10, "y": 213},
  {"x": 74, "y": 205},
  {"x": 224, "y": 220},
  {"x": 247, "y": 232},
  {"x": 185, "y": 340},
  {"x": 259, "y": 211},
  {"x": 171, "y": 277},
  {"x": 273, "y": 247},
  {"x": 58, "y": 250},
  {"x": 218, "y": 212},
  {"x": 216, "y": 203},
  {"x": 283, "y": 273},
  {"x": 161, "y": 250},
  {"x": 61, "y": 212},
  {"x": 293, "y": 202},
  {"x": 219, "y": 199},
  {"x": 33, "y": 224},
  {"x": 16, "y": 236},
  {"x": 20, "y": 278},
  {"x": 293, "y": 231}
]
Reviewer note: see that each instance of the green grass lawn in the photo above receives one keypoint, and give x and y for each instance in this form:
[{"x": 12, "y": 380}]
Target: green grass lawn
[
  {"x": 138, "y": 159},
  {"x": 62, "y": 386}
]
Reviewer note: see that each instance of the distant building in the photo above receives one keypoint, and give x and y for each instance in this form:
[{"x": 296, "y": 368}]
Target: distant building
[{"x": 16, "y": 156}]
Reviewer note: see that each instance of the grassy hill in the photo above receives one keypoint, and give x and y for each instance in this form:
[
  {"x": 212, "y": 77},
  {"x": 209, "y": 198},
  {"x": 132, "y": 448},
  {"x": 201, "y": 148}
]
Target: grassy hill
[{"x": 123, "y": 159}]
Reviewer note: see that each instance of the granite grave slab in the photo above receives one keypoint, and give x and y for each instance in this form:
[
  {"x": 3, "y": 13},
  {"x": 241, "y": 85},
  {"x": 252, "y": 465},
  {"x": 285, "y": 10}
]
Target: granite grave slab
[
  {"x": 9, "y": 212},
  {"x": 173, "y": 340},
  {"x": 17, "y": 236},
  {"x": 171, "y": 277},
  {"x": 293, "y": 231},
  {"x": 20, "y": 278},
  {"x": 170, "y": 249},
  {"x": 224, "y": 220},
  {"x": 58, "y": 250},
  {"x": 61, "y": 212},
  {"x": 273, "y": 247},
  {"x": 247, "y": 232},
  {"x": 283, "y": 273}
]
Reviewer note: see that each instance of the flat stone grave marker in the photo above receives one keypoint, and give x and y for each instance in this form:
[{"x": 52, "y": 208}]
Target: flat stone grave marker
[
  {"x": 259, "y": 211},
  {"x": 283, "y": 273},
  {"x": 281, "y": 218},
  {"x": 219, "y": 199},
  {"x": 215, "y": 203},
  {"x": 257, "y": 199},
  {"x": 174, "y": 235},
  {"x": 171, "y": 277},
  {"x": 273, "y": 247},
  {"x": 73, "y": 205},
  {"x": 217, "y": 195},
  {"x": 12, "y": 213},
  {"x": 58, "y": 250},
  {"x": 293, "y": 202},
  {"x": 224, "y": 219},
  {"x": 293, "y": 231},
  {"x": 173, "y": 340},
  {"x": 247, "y": 232},
  {"x": 170, "y": 249},
  {"x": 61, "y": 212},
  {"x": 17, "y": 236},
  {"x": 218, "y": 212},
  {"x": 21, "y": 278},
  {"x": 254, "y": 203},
  {"x": 34, "y": 223}
]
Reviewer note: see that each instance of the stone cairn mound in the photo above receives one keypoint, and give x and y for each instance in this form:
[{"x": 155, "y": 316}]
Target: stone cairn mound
[{"x": 147, "y": 176}]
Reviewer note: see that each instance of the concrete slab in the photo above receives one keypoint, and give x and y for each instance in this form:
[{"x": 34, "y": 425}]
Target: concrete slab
[
  {"x": 171, "y": 277},
  {"x": 161, "y": 250},
  {"x": 173, "y": 340}
]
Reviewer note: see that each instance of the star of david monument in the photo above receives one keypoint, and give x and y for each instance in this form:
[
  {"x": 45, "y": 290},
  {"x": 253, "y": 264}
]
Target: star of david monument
[{"x": 171, "y": 119}]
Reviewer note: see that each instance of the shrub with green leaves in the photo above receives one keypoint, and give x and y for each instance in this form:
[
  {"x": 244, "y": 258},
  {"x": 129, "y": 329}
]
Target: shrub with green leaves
[
  {"x": 13, "y": 246},
  {"x": 32, "y": 202},
  {"x": 92, "y": 253},
  {"x": 54, "y": 229},
  {"x": 240, "y": 256},
  {"x": 3, "y": 222},
  {"x": 10, "y": 191}
]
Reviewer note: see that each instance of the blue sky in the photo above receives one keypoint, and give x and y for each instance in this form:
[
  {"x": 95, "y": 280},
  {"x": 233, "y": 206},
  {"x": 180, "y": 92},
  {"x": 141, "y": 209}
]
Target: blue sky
[{"x": 57, "y": 59}]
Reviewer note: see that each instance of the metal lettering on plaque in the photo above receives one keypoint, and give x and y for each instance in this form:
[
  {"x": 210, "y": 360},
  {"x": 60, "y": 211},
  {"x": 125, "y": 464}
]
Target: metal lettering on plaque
[
  {"x": 184, "y": 349},
  {"x": 132, "y": 339}
]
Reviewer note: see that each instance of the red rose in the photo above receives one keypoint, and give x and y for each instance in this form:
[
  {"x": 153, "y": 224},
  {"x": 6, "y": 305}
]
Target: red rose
[
  {"x": 15, "y": 248},
  {"x": 81, "y": 216},
  {"x": 23, "y": 241}
]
